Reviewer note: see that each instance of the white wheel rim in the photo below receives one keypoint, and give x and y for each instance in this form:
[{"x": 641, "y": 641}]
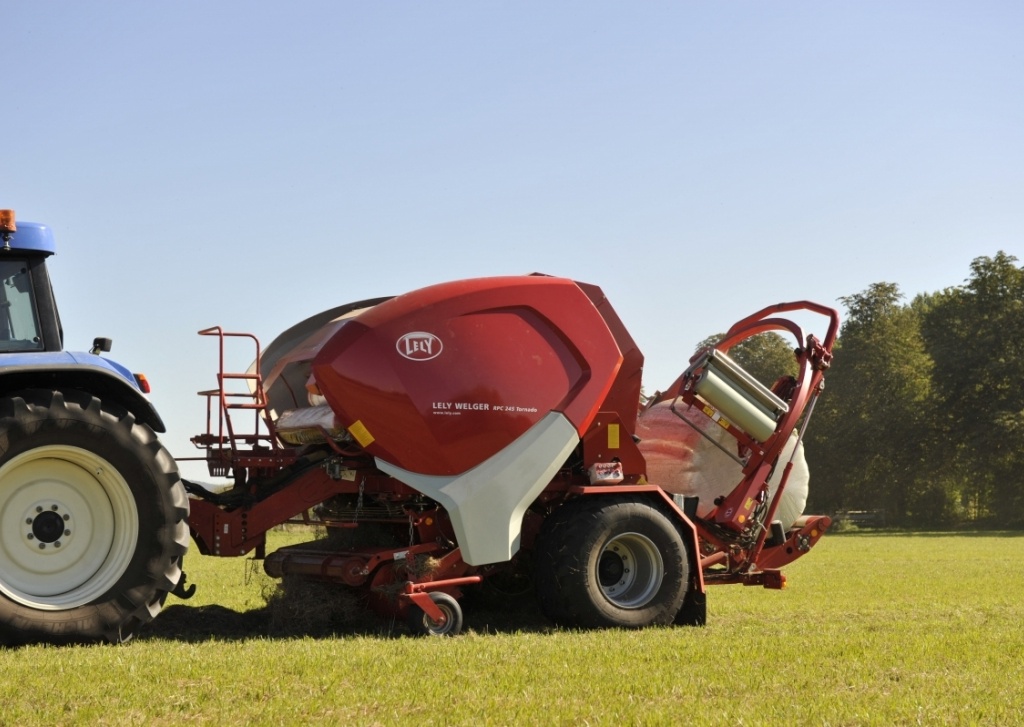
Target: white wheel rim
[
  {"x": 630, "y": 570},
  {"x": 68, "y": 527}
]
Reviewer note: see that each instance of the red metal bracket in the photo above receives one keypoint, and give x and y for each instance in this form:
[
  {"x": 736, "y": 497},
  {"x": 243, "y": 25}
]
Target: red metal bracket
[
  {"x": 419, "y": 594},
  {"x": 799, "y": 540}
]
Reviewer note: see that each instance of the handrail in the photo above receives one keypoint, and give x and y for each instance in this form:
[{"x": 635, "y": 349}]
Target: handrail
[{"x": 228, "y": 400}]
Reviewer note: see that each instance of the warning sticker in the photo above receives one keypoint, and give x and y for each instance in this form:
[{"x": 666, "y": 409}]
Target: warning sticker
[{"x": 361, "y": 434}]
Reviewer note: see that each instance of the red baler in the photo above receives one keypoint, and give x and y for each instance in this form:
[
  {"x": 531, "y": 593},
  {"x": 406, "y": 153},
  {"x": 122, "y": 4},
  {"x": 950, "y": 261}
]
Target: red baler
[{"x": 490, "y": 427}]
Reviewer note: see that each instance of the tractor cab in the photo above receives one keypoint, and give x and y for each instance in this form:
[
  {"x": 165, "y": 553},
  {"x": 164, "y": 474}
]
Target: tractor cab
[{"x": 28, "y": 313}]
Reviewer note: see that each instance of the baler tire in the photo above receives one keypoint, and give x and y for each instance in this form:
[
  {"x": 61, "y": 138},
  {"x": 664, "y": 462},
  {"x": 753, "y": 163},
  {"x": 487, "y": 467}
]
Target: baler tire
[
  {"x": 93, "y": 520},
  {"x": 421, "y": 624},
  {"x": 611, "y": 562}
]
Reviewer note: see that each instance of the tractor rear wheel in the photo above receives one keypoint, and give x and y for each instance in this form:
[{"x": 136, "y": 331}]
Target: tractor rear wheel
[
  {"x": 611, "y": 562},
  {"x": 93, "y": 520}
]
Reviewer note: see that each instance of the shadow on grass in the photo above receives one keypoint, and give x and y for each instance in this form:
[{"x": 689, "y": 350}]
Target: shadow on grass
[
  {"x": 308, "y": 609},
  {"x": 326, "y": 616}
]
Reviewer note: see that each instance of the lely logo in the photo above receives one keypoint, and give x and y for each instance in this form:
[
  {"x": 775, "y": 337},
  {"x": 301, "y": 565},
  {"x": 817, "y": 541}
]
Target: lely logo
[{"x": 419, "y": 346}]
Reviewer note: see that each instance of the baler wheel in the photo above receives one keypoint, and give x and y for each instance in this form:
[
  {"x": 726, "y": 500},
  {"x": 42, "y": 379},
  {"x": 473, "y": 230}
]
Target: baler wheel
[
  {"x": 609, "y": 561},
  {"x": 93, "y": 520},
  {"x": 422, "y": 625}
]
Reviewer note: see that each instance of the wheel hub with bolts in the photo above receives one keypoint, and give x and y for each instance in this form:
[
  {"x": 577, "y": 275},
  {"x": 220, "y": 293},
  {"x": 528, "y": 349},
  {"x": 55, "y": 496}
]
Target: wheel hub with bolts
[
  {"x": 48, "y": 526},
  {"x": 630, "y": 570},
  {"x": 67, "y": 527}
]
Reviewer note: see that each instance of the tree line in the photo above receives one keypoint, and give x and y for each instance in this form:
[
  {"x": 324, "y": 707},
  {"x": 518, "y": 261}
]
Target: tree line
[{"x": 922, "y": 417}]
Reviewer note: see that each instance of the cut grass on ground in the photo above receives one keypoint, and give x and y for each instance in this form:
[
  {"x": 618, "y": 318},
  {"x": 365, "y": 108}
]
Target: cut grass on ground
[{"x": 874, "y": 629}]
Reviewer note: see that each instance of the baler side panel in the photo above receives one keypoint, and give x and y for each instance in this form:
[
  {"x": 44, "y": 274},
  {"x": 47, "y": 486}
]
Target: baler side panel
[
  {"x": 486, "y": 504},
  {"x": 439, "y": 380}
]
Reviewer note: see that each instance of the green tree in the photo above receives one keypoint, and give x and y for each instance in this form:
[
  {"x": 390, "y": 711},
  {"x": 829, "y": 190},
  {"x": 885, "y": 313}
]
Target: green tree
[
  {"x": 975, "y": 334},
  {"x": 865, "y": 446}
]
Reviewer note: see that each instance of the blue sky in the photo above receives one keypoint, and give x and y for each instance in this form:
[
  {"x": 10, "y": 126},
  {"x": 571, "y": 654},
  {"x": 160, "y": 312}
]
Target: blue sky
[{"x": 248, "y": 164}]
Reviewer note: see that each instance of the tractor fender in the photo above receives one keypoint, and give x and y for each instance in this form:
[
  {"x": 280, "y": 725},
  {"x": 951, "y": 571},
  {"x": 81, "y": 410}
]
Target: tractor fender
[{"x": 63, "y": 370}]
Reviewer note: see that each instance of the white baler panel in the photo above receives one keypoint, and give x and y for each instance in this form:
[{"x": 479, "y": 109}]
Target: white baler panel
[{"x": 487, "y": 503}]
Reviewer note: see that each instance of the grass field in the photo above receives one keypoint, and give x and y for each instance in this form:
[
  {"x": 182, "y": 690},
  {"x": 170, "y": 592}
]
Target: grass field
[{"x": 874, "y": 629}]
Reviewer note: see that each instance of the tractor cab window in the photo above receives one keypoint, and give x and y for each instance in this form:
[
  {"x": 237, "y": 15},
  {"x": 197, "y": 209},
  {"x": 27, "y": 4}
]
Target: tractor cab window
[{"x": 19, "y": 324}]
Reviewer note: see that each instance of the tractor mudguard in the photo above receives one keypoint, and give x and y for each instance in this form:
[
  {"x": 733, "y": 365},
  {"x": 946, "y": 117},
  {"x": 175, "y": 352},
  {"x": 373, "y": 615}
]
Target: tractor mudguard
[{"x": 83, "y": 371}]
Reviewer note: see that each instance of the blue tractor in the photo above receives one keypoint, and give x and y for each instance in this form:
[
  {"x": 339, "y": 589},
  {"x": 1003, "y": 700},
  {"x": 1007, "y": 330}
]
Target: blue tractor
[{"x": 93, "y": 514}]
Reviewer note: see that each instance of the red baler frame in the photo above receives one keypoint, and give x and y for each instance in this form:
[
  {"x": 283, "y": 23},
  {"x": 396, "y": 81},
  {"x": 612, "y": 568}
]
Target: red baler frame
[{"x": 275, "y": 484}]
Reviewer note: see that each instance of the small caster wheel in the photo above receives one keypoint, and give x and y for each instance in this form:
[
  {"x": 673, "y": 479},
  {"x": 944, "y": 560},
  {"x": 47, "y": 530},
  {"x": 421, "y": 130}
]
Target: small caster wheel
[{"x": 422, "y": 625}]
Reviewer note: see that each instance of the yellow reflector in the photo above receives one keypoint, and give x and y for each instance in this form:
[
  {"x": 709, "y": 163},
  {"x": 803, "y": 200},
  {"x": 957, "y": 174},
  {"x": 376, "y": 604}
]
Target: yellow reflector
[
  {"x": 362, "y": 434},
  {"x": 613, "y": 436}
]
